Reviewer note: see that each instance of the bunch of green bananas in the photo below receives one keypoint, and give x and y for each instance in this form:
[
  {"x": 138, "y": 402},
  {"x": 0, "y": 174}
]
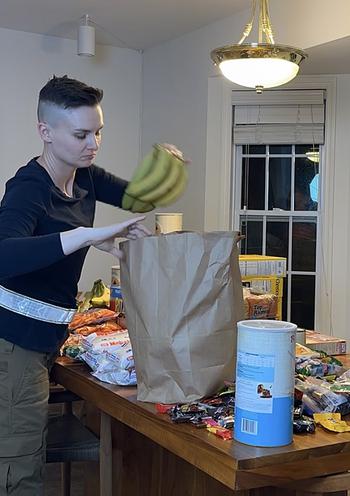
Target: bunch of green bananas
[{"x": 159, "y": 181}]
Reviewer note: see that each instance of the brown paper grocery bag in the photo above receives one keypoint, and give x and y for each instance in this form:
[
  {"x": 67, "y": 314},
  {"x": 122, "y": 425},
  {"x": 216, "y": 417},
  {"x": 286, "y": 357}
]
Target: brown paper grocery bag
[{"x": 183, "y": 296}]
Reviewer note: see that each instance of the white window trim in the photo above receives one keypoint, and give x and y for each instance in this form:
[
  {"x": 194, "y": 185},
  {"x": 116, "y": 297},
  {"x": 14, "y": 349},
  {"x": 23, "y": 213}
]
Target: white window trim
[{"x": 220, "y": 170}]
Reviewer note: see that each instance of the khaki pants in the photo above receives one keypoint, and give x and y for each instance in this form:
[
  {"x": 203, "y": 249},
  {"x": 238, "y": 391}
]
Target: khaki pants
[{"x": 24, "y": 390}]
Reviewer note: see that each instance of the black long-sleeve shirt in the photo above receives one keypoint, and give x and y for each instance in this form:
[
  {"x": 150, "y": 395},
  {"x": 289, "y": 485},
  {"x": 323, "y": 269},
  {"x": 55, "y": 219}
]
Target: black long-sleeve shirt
[{"x": 33, "y": 212}]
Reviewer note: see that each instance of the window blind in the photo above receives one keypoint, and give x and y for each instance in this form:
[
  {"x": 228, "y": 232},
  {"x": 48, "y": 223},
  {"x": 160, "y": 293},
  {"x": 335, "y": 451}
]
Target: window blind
[{"x": 278, "y": 117}]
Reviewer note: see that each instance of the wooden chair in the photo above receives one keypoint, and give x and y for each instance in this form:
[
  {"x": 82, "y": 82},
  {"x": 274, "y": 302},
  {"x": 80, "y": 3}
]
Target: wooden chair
[{"x": 68, "y": 440}]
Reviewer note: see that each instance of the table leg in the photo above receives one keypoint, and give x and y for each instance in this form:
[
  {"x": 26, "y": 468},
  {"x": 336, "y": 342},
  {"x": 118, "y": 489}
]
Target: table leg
[{"x": 105, "y": 455}]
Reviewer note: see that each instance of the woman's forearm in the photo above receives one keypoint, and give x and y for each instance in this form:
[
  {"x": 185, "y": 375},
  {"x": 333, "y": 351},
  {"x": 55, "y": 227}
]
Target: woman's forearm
[{"x": 75, "y": 239}]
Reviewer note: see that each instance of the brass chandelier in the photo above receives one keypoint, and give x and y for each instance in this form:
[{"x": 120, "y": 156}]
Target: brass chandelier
[{"x": 259, "y": 65}]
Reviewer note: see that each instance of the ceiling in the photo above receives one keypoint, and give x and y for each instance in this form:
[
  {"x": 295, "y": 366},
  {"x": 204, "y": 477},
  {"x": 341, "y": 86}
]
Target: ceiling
[
  {"x": 329, "y": 58},
  {"x": 139, "y": 24}
]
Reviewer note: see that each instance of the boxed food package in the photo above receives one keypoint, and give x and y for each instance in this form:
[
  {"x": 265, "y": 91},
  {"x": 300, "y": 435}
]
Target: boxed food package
[
  {"x": 259, "y": 306},
  {"x": 329, "y": 344},
  {"x": 268, "y": 284},
  {"x": 262, "y": 265}
]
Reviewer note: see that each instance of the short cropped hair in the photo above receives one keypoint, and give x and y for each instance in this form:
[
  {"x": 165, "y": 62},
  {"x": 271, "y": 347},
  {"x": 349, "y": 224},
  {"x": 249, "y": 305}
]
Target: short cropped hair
[{"x": 68, "y": 93}]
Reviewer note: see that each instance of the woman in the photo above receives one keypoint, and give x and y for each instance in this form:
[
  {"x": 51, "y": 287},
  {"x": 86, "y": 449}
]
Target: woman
[{"x": 46, "y": 220}]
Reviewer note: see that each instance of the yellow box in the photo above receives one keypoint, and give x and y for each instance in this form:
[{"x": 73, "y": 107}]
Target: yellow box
[
  {"x": 265, "y": 284},
  {"x": 262, "y": 265}
]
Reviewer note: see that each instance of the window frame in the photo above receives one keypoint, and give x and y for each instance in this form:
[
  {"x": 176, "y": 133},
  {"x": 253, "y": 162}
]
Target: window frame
[
  {"x": 238, "y": 212},
  {"x": 221, "y": 168}
]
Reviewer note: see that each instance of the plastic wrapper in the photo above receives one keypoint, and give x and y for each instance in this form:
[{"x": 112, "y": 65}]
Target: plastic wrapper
[
  {"x": 93, "y": 316},
  {"x": 303, "y": 351},
  {"x": 301, "y": 423},
  {"x": 111, "y": 359},
  {"x": 104, "y": 328},
  {"x": 122, "y": 358},
  {"x": 317, "y": 397},
  {"x": 98, "y": 362},
  {"x": 111, "y": 341},
  {"x": 107, "y": 370},
  {"x": 72, "y": 347},
  {"x": 345, "y": 377},
  {"x": 118, "y": 376},
  {"x": 340, "y": 387},
  {"x": 317, "y": 366},
  {"x": 331, "y": 422}
]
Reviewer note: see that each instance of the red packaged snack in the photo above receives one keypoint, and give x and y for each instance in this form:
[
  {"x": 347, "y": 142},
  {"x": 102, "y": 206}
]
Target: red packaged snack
[
  {"x": 221, "y": 432},
  {"x": 163, "y": 408}
]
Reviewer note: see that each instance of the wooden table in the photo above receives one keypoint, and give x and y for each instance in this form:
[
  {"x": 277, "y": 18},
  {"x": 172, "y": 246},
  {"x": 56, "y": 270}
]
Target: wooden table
[{"x": 154, "y": 457}]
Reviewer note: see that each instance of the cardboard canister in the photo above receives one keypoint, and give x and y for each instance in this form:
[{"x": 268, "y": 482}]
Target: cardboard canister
[
  {"x": 168, "y": 222},
  {"x": 116, "y": 298},
  {"x": 265, "y": 382}
]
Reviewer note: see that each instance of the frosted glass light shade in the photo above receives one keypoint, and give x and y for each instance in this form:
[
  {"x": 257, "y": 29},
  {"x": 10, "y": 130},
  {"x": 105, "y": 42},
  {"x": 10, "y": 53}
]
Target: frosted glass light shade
[
  {"x": 258, "y": 65},
  {"x": 265, "y": 73}
]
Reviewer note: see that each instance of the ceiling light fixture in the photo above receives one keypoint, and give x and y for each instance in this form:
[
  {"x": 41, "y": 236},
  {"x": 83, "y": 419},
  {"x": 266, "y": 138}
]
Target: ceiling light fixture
[
  {"x": 313, "y": 156},
  {"x": 86, "y": 37},
  {"x": 259, "y": 65}
]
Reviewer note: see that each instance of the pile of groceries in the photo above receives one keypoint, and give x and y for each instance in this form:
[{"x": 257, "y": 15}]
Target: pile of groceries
[
  {"x": 98, "y": 337},
  {"x": 321, "y": 397}
]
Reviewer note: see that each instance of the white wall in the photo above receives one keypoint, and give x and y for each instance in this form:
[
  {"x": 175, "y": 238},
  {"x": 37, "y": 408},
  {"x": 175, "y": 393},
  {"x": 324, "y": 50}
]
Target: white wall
[
  {"x": 27, "y": 61},
  {"x": 340, "y": 296},
  {"x": 175, "y": 96},
  {"x": 176, "y": 80}
]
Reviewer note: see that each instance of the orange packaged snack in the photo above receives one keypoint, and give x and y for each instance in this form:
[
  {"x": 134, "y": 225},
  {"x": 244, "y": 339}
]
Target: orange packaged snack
[
  {"x": 99, "y": 329},
  {"x": 94, "y": 316}
]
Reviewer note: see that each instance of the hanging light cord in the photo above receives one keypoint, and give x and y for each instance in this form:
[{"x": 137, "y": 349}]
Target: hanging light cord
[
  {"x": 249, "y": 25},
  {"x": 264, "y": 23}
]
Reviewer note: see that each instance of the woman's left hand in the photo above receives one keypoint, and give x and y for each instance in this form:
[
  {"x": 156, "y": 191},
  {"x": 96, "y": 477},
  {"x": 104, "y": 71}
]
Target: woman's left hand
[{"x": 134, "y": 231}]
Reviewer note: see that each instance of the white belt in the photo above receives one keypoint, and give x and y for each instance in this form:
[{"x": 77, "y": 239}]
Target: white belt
[{"x": 35, "y": 309}]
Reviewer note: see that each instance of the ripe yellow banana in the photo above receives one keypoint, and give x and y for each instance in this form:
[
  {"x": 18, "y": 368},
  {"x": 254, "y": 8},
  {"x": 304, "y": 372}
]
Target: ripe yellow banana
[
  {"x": 159, "y": 171},
  {"x": 171, "y": 196},
  {"x": 168, "y": 184},
  {"x": 142, "y": 171}
]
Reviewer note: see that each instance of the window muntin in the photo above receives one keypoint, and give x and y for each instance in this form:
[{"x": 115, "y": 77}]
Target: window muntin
[{"x": 278, "y": 195}]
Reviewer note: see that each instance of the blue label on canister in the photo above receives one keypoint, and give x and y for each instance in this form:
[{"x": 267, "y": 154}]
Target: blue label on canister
[
  {"x": 265, "y": 383},
  {"x": 116, "y": 292}
]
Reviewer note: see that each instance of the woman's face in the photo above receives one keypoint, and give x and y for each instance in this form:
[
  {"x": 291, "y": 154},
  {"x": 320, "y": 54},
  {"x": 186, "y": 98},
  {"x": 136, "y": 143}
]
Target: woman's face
[{"x": 75, "y": 136}]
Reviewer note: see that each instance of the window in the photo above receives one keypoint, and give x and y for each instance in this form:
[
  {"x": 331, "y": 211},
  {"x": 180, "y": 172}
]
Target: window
[
  {"x": 279, "y": 215},
  {"x": 277, "y": 146},
  {"x": 220, "y": 207}
]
